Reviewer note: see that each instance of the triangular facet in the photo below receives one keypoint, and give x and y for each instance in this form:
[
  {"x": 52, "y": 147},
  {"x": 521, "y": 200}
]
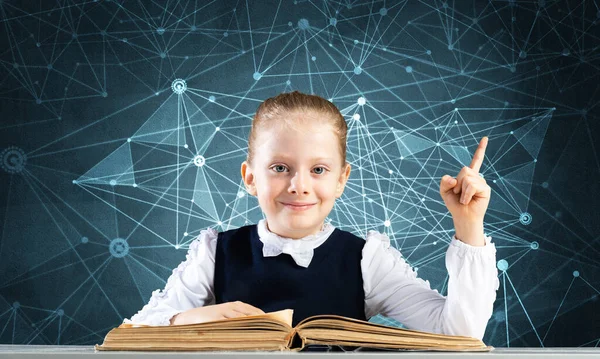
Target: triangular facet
[{"x": 115, "y": 169}]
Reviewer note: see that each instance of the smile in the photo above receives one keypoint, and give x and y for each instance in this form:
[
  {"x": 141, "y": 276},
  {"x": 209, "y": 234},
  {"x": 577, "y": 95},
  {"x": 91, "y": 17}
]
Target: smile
[{"x": 298, "y": 206}]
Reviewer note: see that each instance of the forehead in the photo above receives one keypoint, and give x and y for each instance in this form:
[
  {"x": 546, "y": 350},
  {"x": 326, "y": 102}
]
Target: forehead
[{"x": 307, "y": 138}]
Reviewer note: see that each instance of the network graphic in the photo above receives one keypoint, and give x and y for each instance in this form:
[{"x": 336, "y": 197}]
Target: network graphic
[{"x": 123, "y": 126}]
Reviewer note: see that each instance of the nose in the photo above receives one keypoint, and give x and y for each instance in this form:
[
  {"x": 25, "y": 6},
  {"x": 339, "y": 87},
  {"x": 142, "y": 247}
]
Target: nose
[{"x": 299, "y": 184}]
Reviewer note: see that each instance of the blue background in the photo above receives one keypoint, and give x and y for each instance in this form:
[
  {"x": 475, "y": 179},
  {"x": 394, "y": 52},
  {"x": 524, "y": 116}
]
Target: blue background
[{"x": 123, "y": 125}]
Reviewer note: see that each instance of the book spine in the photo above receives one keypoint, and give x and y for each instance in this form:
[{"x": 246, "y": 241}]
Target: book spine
[{"x": 289, "y": 339}]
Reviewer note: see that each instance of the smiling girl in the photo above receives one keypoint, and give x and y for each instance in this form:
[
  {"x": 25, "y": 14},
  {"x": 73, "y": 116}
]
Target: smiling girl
[{"x": 294, "y": 259}]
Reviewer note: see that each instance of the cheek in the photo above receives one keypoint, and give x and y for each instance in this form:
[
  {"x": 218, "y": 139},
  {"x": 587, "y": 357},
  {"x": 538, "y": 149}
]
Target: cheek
[{"x": 270, "y": 187}]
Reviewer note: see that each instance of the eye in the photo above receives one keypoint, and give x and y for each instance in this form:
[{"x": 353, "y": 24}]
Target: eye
[
  {"x": 279, "y": 168},
  {"x": 320, "y": 170}
]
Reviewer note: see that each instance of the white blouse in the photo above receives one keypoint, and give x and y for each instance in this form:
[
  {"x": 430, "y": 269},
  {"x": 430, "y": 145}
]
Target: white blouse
[{"x": 391, "y": 287}]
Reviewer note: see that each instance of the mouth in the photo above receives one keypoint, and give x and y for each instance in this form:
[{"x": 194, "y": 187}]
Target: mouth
[{"x": 298, "y": 206}]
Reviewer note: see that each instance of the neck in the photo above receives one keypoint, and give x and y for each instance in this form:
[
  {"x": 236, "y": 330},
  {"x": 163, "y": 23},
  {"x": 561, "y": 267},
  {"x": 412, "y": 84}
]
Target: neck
[{"x": 297, "y": 234}]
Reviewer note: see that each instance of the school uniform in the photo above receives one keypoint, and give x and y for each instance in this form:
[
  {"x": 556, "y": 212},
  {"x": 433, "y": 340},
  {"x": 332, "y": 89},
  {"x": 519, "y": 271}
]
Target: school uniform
[{"x": 330, "y": 272}]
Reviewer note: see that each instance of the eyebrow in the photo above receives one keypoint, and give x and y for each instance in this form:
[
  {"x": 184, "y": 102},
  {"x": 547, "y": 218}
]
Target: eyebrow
[{"x": 313, "y": 159}]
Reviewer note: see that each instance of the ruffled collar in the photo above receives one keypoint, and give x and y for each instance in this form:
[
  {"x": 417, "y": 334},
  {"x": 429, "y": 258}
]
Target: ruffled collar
[{"x": 301, "y": 250}]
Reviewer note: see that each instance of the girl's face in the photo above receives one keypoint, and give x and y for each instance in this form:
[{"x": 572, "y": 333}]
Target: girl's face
[{"x": 296, "y": 174}]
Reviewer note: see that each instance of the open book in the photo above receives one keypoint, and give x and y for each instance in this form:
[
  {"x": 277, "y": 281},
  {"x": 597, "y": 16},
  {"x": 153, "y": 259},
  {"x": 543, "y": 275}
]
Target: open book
[{"x": 273, "y": 332}]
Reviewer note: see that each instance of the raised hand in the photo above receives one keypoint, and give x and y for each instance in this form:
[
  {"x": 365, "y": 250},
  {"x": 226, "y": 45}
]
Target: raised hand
[
  {"x": 467, "y": 198},
  {"x": 215, "y": 312}
]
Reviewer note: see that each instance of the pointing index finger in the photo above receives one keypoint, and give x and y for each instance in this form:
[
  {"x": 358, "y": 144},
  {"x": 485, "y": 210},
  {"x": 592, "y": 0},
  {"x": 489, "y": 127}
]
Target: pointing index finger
[{"x": 479, "y": 155}]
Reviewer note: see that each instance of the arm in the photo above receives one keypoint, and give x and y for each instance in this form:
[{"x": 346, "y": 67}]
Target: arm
[
  {"x": 393, "y": 289},
  {"x": 189, "y": 286}
]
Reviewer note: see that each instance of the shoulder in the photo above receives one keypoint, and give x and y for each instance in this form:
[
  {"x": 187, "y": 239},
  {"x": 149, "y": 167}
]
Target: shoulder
[
  {"x": 379, "y": 245},
  {"x": 237, "y": 231},
  {"x": 347, "y": 238},
  {"x": 203, "y": 245}
]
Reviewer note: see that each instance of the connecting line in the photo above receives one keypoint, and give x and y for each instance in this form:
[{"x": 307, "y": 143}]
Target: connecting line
[
  {"x": 558, "y": 310},
  {"x": 524, "y": 310}
]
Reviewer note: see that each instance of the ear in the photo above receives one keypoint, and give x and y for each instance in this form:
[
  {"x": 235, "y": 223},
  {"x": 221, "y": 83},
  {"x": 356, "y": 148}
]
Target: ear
[
  {"x": 248, "y": 178},
  {"x": 342, "y": 181}
]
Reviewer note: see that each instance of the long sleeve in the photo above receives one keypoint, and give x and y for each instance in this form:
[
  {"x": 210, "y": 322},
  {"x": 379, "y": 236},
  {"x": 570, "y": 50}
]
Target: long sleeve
[
  {"x": 189, "y": 286},
  {"x": 393, "y": 289}
]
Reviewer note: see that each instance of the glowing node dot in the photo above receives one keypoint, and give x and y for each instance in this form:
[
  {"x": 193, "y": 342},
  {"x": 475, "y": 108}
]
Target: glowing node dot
[
  {"x": 84, "y": 239},
  {"x": 129, "y": 139},
  {"x": 185, "y": 234},
  {"x": 387, "y": 223},
  {"x": 409, "y": 69},
  {"x": 456, "y": 122},
  {"x": 401, "y": 157},
  {"x": 383, "y": 11},
  {"x": 178, "y": 86},
  {"x": 219, "y": 223},
  {"x": 522, "y": 54},
  {"x": 199, "y": 161},
  {"x": 60, "y": 312},
  {"x": 362, "y": 101},
  {"x": 333, "y": 21},
  {"x": 428, "y": 52},
  {"x": 453, "y": 101},
  {"x": 257, "y": 76},
  {"x": 211, "y": 99},
  {"x": 119, "y": 248},
  {"x": 390, "y": 171},
  {"x": 225, "y": 34},
  {"x": 356, "y": 117},
  {"x": 288, "y": 82},
  {"x": 13, "y": 159},
  {"x": 534, "y": 245},
  {"x": 355, "y": 42},
  {"x": 576, "y": 273},
  {"x": 303, "y": 24},
  {"x": 358, "y": 70},
  {"x": 313, "y": 58},
  {"x": 185, "y": 146},
  {"x": 177, "y": 246},
  {"x": 163, "y": 55},
  {"x": 450, "y": 47},
  {"x": 545, "y": 185},
  {"x": 241, "y": 194},
  {"x": 217, "y": 128},
  {"x": 193, "y": 28},
  {"x": 160, "y": 30},
  {"x": 499, "y": 316},
  {"x": 113, "y": 182},
  {"x": 16, "y": 305},
  {"x": 134, "y": 185},
  {"x": 525, "y": 218},
  {"x": 502, "y": 265},
  {"x": 104, "y": 94}
]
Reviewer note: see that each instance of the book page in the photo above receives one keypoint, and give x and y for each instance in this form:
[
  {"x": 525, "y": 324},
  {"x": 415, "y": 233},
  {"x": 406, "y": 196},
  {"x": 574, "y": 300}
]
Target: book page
[{"x": 282, "y": 316}]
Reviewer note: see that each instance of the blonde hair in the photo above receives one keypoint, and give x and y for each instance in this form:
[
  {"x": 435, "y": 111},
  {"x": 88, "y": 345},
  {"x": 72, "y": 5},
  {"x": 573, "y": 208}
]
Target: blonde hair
[{"x": 276, "y": 111}]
